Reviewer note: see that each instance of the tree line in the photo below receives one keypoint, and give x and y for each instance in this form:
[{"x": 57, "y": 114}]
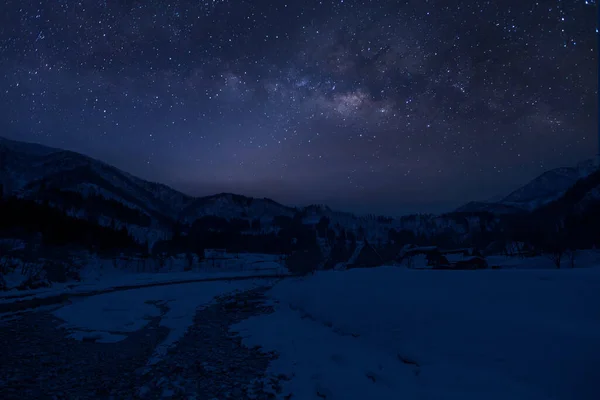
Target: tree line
[{"x": 30, "y": 221}]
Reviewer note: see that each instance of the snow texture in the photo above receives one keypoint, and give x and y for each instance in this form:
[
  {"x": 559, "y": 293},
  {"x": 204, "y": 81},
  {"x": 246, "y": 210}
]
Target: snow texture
[
  {"x": 110, "y": 317},
  {"x": 102, "y": 274},
  {"x": 390, "y": 333},
  {"x": 541, "y": 190}
]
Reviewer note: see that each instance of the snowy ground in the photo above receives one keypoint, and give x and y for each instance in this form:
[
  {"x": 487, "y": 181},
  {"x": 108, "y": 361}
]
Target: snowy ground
[
  {"x": 119, "y": 281},
  {"x": 207, "y": 362},
  {"x": 381, "y": 333},
  {"x": 111, "y": 317},
  {"x": 390, "y": 333},
  {"x": 242, "y": 262},
  {"x": 98, "y": 274},
  {"x": 583, "y": 259}
]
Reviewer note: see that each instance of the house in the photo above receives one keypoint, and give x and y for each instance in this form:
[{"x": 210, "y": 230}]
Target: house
[
  {"x": 432, "y": 254},
  {"x": 437, "y": 260},
  {"x": 367, "y": 257}
]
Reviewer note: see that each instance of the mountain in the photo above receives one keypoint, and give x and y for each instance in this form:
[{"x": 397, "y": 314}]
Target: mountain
[
  {"x": 570, "y": 221},
  {"x": 88, "y": 188},
  {"x": 579, "y": 199},
  {"x": 91, "y": 189},
  {"x": 491, "y": 207},
  {"x": 30, "y": 170},
  {"x": 548, "y": 186},
  {"x": 542, "y": 190},
  {"x": 228, "y": 205}
]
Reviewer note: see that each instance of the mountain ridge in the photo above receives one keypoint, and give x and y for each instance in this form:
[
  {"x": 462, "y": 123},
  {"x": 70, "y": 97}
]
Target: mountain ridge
[
  {"x": 87, "y": 187},
  {"x": 541, "y": 190},
  {"x": 37, "y": 172}
]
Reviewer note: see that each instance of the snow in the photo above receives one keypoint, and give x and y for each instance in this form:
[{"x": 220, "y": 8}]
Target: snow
[
  {"x": 583, "y": 259},
  {"x": 516, "y": 262},
  {"x": 549, "y": 186},
  {"x": 389, "y": 333},
  {"x": 227, "y": 205},
  {"x": 129, "y": 280},
  {"x": 243, "y": 262},
  {"x": 101, "y": 274},
  {"x": 356, "y": 253},
  {"x": 110, "y": 317}
]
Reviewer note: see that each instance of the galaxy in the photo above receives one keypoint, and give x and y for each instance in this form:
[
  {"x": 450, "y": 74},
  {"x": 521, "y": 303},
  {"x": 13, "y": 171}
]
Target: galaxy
[{"x": 379, "y": 107}]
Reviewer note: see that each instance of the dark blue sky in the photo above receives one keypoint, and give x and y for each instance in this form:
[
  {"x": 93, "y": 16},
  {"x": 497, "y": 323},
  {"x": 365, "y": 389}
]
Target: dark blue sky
[{"x": 369, "y": 106}]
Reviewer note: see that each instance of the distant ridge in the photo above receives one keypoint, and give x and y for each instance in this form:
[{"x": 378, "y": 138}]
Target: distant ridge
[{"x": 541, "y": 190}]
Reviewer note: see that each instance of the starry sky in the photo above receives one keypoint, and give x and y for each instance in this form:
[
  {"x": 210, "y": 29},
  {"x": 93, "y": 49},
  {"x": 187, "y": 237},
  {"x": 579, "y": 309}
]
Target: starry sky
[{"x": 384, "y": 107}]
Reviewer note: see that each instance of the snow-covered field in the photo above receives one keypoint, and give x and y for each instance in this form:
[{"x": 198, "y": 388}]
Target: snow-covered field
[
  {"x": 117, "y": 282},
  {"x": 243, "y": 262},
  {"x": 582, "y": 259},
  {"x": 527, "y": 332},
  {"x": 110, "y": 317},
  {"x": 102, "y": 274},
  {"x": 230, "y": 265},
  {"x": 395, "y": 333}
]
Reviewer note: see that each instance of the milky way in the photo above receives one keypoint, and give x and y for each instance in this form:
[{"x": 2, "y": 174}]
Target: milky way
[{"x": 375, "y": 107}]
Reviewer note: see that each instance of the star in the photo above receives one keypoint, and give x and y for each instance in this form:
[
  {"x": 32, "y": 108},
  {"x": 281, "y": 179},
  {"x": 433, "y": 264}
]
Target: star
[{"x": 365, "y": 107}]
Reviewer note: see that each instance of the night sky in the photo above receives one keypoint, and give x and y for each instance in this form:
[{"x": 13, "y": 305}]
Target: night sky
[{"x": 379, "y": 107}]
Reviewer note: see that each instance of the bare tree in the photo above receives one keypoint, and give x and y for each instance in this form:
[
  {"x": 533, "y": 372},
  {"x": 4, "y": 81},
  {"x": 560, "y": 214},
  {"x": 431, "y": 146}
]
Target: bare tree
[
  {"x": 571, "y": 255},
  {"x": 189, "y": 257},
  {"x": 8, "y": 261},
  {"x": 555, "y": 255},
  {"x": 554, "y": 244},
  {"x": 161, "y": 257}
]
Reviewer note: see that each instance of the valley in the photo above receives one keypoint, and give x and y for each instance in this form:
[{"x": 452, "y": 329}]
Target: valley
[{"x": 130, "y": 289}]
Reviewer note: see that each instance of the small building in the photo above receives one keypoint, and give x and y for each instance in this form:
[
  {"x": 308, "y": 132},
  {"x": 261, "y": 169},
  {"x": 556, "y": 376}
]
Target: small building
[
  {"x": 433, "y": 256},
  {"x": 437, "y": 260},
  {"x": 411, "y": 250},
  {"x": 367, "y": 257}
]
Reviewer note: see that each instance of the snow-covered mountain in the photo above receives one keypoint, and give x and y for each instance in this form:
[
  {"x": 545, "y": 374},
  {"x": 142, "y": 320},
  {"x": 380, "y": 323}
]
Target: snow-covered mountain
[
  {"x": 91, "y": 189},
  {"x": 71, "y": 181},
  {"x": 228, "y": 205},
  {"x": 549, "y": 186},
  {"x": 88, "y": 188},
  {"x": 494, "y": 208},
  {"x": 542, "y": 190},
  {"x": 582, "y": 198},
  {"x": 31, "y": 170}
]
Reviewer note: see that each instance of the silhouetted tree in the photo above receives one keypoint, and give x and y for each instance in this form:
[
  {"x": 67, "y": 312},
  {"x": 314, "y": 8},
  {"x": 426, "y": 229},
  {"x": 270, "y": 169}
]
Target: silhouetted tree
[
  {"x": 24, "y": 219},
  {"x": 305, "y": 261},
  {"x": 322, "y": 227}
]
